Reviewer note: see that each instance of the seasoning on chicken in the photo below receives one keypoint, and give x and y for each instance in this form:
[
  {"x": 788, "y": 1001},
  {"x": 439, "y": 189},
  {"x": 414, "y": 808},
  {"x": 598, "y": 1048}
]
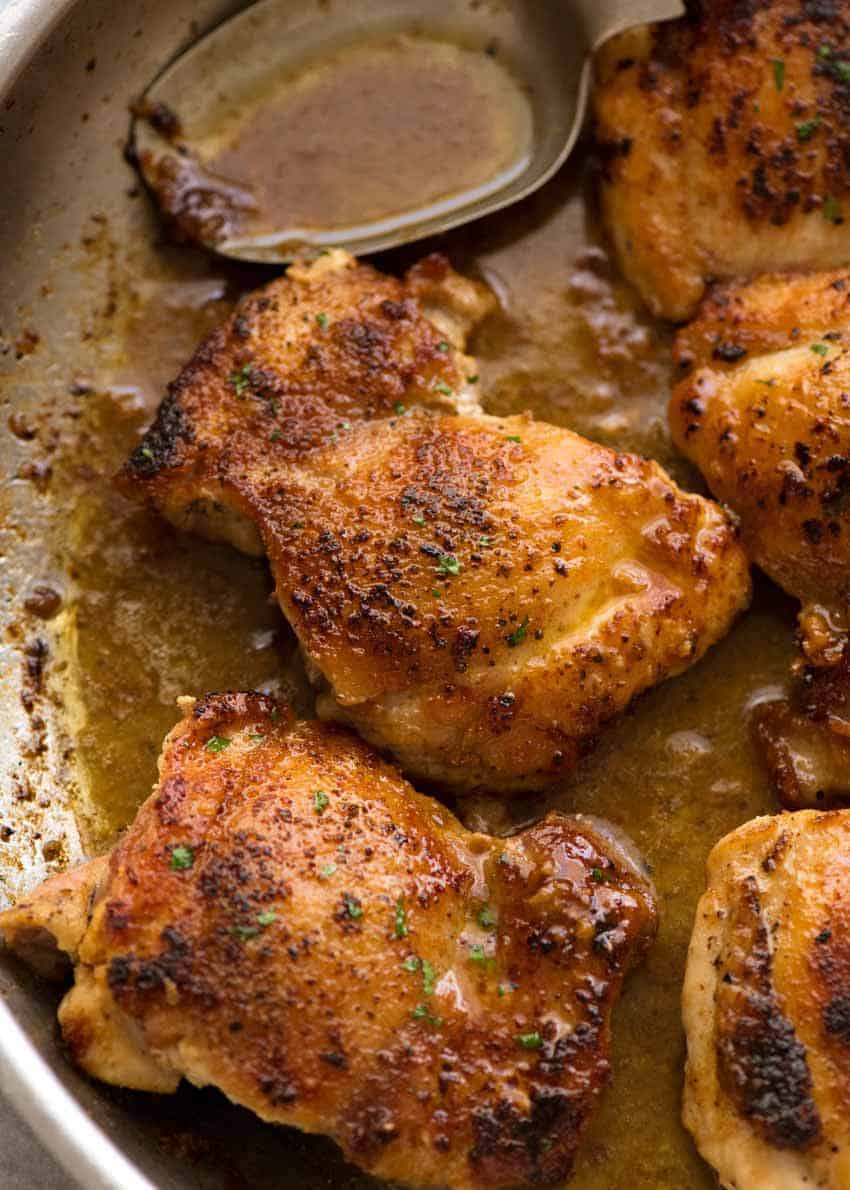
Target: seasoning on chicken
[
  {"x": 726, "y": 145},
  {"x": 477, "y": 595},
  {"x": 288, "y": 920},
  {"x": 765, "y": 415},
  {"x": 767, "y": 1006}
]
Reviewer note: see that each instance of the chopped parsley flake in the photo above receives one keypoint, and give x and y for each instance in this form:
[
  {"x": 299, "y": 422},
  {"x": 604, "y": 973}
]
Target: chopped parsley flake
[
  {"x": 322, "y": 320},
  {"x": 246, "y": 932},
  {"x": 514, "y": 438},
  {"x": 767, "y": 383},
  {"x": 217, "y": 743},
  {"x": 806, "y": 130},
  {"x": 477, "y": 954},
  {"x": 448, "y": 564},
  {"x": 519, "y": 634},
  {"x": 825, "y": 51},
  {"x": 841, "y": 71},
  {"x": 599, "y": 875},
  {"x": 529, "y": 1041},
  {"x": 440, "y": 386},
  {"x": 443, "y": 346},
  {"x": 275, "y": 436},
  {"x": 266, "y": 918},
  {"x": 399, "y": 408},
  {"x": 327, "y": 871},
  {"x": 320, "y": 801},
  {"x": 241, "y": 379},
  {"x": 778, "y": 73},
  {"x": 182, "y": 858},
  {"x": 400, "y": 919},
  {"x": 411, "y": 963},
  {"x": 472, "y": 379},
  {"x": 419, "y": 519},
  {"x": 429, "y": 976},
  {"x": 487, "y": 918},
  {"x": 421, "y": 1012},
  {"x": 820, "y": 348},
  {"x": 146, "y": 453},
  {"x": 352, "y": 906},
  {"x": 831, "y": 210},
  {"x": 256, "y": 739},
  {"x": 484, "y": 541},
  {"x": 504, "y": 988},
  {"x": 435, "y": 592}
]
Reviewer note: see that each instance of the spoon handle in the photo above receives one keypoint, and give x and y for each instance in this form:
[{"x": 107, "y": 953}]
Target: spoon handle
[{"x": 600, "y": 19}]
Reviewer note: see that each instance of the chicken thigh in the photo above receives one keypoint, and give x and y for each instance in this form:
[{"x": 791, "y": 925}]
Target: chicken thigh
[
  {"x": 288, "y": 920},
  {"x": 477, "y": 595},
  {"x": 726, "y": 145},
  {"x": 767, "y": 1006},
  {"x": 765, "y": 415}
]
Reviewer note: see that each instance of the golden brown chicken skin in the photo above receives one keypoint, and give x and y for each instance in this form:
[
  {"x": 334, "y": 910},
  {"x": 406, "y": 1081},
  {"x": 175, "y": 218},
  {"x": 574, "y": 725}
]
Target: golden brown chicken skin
[
  {"x": 288, "y": 920},
  {"x": 477, "y": 595},
  {"x": 726, "y": 145},
  {"x": 767, "y": 1006},
  {"x": 765, "y": 415}
]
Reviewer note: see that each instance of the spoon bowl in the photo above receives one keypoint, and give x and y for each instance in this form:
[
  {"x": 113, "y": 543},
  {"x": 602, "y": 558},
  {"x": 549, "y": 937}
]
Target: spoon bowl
[{"x": 252, "y": 147}]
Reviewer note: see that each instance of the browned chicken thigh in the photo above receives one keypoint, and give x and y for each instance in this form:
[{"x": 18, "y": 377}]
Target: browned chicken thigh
[
  {"x": 288, "y": 920},
  {"x": 767, "y": 1006},
  {"x": 477, "y": 595},
  {"x": 726, "y": 145},
  {"x": 765, "y": 415}
]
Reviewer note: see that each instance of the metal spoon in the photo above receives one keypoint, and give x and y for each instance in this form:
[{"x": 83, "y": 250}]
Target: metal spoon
[{"x": 189, "y": 120}]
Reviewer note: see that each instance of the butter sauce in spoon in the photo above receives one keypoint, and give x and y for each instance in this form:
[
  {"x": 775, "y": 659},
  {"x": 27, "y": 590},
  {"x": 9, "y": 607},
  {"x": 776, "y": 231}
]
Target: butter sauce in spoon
[{"x": 302, "y": 124}]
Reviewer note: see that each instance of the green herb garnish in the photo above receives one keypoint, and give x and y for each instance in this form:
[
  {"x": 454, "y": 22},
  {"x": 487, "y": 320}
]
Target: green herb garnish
[
  {"x": 182, "y": 858},
  {"x": 241, "y": 379},
  {"x": 443, "y": 346},
  {"x": 266, "y": 918},
  {"x": 448, "y": 564},
  {"x": 831, "y": 210},
  {"x": 217, "y": 743},
  {"x": 322, "y": 320},
  {"x": 320, "y": 801},
  {"x": 529, "y": 1041},
  {"x": 806, "y": 130},
  {"x": 487, "y": 918},
  {"x": 327, "y": 871},
  {"x": 246, "y": 932},
  {"x": 519, "y": 634},
  {"x": 778, "y": 73},
  {"x": 422, "y": 1012},
  {"x": 440, "y": 386},
  {"x": 419, "y": 519},
  {"x": 352, "y": 906},
  {"x": 513, "y": 438},
  {"x": 429, "y": 976},
  {"x": 820, "y": 348},
  {"x": 411, "y": 963},
  {"x": 400, "y": 928},
  {"x": 399, "y": 408},
  {"x": 472, "y": 379}
]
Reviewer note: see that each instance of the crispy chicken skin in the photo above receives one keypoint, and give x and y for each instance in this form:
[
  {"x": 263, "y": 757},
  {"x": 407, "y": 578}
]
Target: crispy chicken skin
[
  {"x": 767, "y": 1006},
  {"x": 288, "y": 920},
  {"x": 725, "y": 140},
  {"x": 765, "y": 415},
  {"x": 477, "y": 595}
]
